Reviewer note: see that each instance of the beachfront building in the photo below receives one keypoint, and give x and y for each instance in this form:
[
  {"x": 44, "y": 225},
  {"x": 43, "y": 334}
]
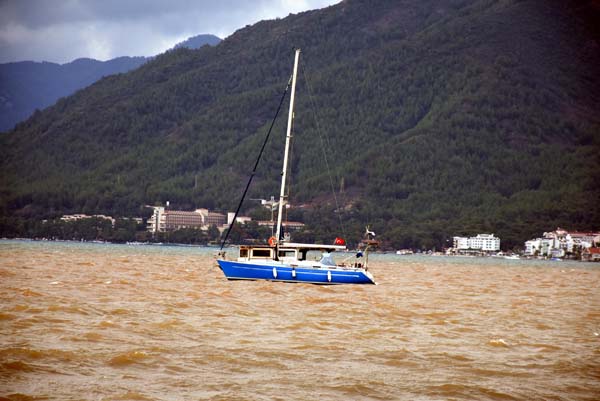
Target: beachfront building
[
  {"x": 532, "y": 247},
  {"x": 591, "y": 255},
  {"x": 287, "y": 225},
  {"x": 75, "y": 217},
  {"x": 460, "y": 243},
  {"x": 179, "y": 219},
  {"x": 163, "y": 220},
  {"x": 560, "y": 243},
  {"x": 547, "y": 247},
  {"x": 483, "y": 243},
  {"x": 238, "y": 219},
  {"x": 156, "y": 223},
  {"x": 211, "y": 218}
]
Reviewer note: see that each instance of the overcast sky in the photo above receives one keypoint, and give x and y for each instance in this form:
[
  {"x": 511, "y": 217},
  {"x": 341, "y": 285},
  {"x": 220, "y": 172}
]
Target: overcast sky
[{"x": 63, "y": 30}]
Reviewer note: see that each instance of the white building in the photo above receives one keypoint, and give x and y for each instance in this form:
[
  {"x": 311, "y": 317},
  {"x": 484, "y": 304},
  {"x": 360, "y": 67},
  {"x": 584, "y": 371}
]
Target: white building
[
  {"x": 532, "y": 246},
  {"x": 75, "y": 217},
  {"x": 157, "y": 223},
  {"x": 238, "y": 219},
  {"x": 460, "y": 243},
  {"x": 485, "y": 242},
  {"x": 560, "y": 242},
  {"x": 482, "y": 242},
  {"x": 169, "y": 220},
  {"x": 540, "y": 246}
]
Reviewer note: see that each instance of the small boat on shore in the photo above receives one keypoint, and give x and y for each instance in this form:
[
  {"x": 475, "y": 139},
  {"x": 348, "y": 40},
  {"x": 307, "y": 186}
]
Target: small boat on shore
[
  {"x": 404, "y": 252},
  {"x": 512, "y": 257}
]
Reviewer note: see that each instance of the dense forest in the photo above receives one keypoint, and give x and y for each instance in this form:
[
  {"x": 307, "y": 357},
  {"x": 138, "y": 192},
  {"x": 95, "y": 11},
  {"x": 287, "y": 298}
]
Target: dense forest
[{"x": 424, "y": 119}]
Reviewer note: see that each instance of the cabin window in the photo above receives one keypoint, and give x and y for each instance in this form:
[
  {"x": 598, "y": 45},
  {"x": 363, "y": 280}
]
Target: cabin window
[
  {"x": 287, "y": 254},
  {"x": 261, "y": 253},
  {"x": 243, "y": 253},
  {"x": 313, "y": 255}
]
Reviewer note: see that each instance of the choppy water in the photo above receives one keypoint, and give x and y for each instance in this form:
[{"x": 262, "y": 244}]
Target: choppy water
[{"x": 107, "y": 322}]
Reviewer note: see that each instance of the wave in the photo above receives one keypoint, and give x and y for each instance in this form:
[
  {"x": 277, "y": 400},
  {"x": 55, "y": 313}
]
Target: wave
[{"x": 129, "y": 358}]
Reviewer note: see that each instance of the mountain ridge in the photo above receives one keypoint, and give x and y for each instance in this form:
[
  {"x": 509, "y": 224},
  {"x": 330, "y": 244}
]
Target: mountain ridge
[
  {"x": 197, "y": 41},
  {"x": 444, "y": 118},
  {"x": 28, "y": 85}
]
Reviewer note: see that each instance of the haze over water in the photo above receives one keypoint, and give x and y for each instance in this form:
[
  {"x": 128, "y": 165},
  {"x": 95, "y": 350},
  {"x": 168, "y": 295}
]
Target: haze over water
[{"x": 109, "y": 322}]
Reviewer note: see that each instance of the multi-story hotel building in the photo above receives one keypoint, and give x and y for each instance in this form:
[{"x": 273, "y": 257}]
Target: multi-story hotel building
[
  {"x": 170, "y": 220},
  {"x": 163, "y": 220},
  {"x": 482, "y": 242},
  {"x": 287, "y": 225}
]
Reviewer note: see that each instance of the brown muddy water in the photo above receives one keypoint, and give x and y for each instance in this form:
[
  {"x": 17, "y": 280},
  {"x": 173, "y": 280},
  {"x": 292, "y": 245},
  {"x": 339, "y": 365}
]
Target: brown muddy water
[{"x": 109, "y": 322}]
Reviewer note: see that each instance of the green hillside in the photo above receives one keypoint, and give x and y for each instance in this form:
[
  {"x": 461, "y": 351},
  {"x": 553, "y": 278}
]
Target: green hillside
[{"x": 441, "y": 118}]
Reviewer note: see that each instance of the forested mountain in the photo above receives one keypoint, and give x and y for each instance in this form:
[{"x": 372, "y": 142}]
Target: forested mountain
[
  {"x": 26, "y": 85},
  {"x": 441, "y": 118},
  {"x": 196, "y": 42}
]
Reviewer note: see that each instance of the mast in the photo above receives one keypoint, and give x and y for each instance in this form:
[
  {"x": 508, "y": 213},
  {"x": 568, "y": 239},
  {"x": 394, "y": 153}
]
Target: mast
[{"x": 288, "y": 138}]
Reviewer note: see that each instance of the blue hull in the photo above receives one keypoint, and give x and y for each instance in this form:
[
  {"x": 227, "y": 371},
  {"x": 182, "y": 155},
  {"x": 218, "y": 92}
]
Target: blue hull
[{"x": 278, "y": 272}]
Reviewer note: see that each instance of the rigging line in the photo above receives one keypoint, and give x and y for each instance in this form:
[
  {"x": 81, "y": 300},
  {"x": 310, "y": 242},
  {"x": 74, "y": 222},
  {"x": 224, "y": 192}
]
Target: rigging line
[
  {"x": 323, "y": 147},
  {"x": 257, "y": 161}
]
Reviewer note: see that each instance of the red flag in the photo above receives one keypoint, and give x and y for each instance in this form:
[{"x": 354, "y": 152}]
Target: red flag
[{"x": 339, "y": 241}]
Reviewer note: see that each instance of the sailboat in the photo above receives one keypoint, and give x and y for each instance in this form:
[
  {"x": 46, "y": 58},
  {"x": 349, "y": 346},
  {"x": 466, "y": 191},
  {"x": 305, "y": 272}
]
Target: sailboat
[{"x": 282, "y": 260}]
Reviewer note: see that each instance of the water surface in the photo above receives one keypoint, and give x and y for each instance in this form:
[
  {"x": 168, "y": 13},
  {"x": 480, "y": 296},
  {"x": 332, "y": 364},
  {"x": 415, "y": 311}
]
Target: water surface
[{"x": 117, "y": 322}]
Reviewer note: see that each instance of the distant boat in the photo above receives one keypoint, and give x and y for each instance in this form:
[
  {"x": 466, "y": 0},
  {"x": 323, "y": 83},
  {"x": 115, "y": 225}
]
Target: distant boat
[
  {"x": 512, "y": 257},
  {"x": 404, "y": 252},
  {"x": 282, "y": 260}
]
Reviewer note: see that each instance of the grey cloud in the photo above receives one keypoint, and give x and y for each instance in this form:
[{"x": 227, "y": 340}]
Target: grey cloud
[{"x": 61, "y": 30}]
